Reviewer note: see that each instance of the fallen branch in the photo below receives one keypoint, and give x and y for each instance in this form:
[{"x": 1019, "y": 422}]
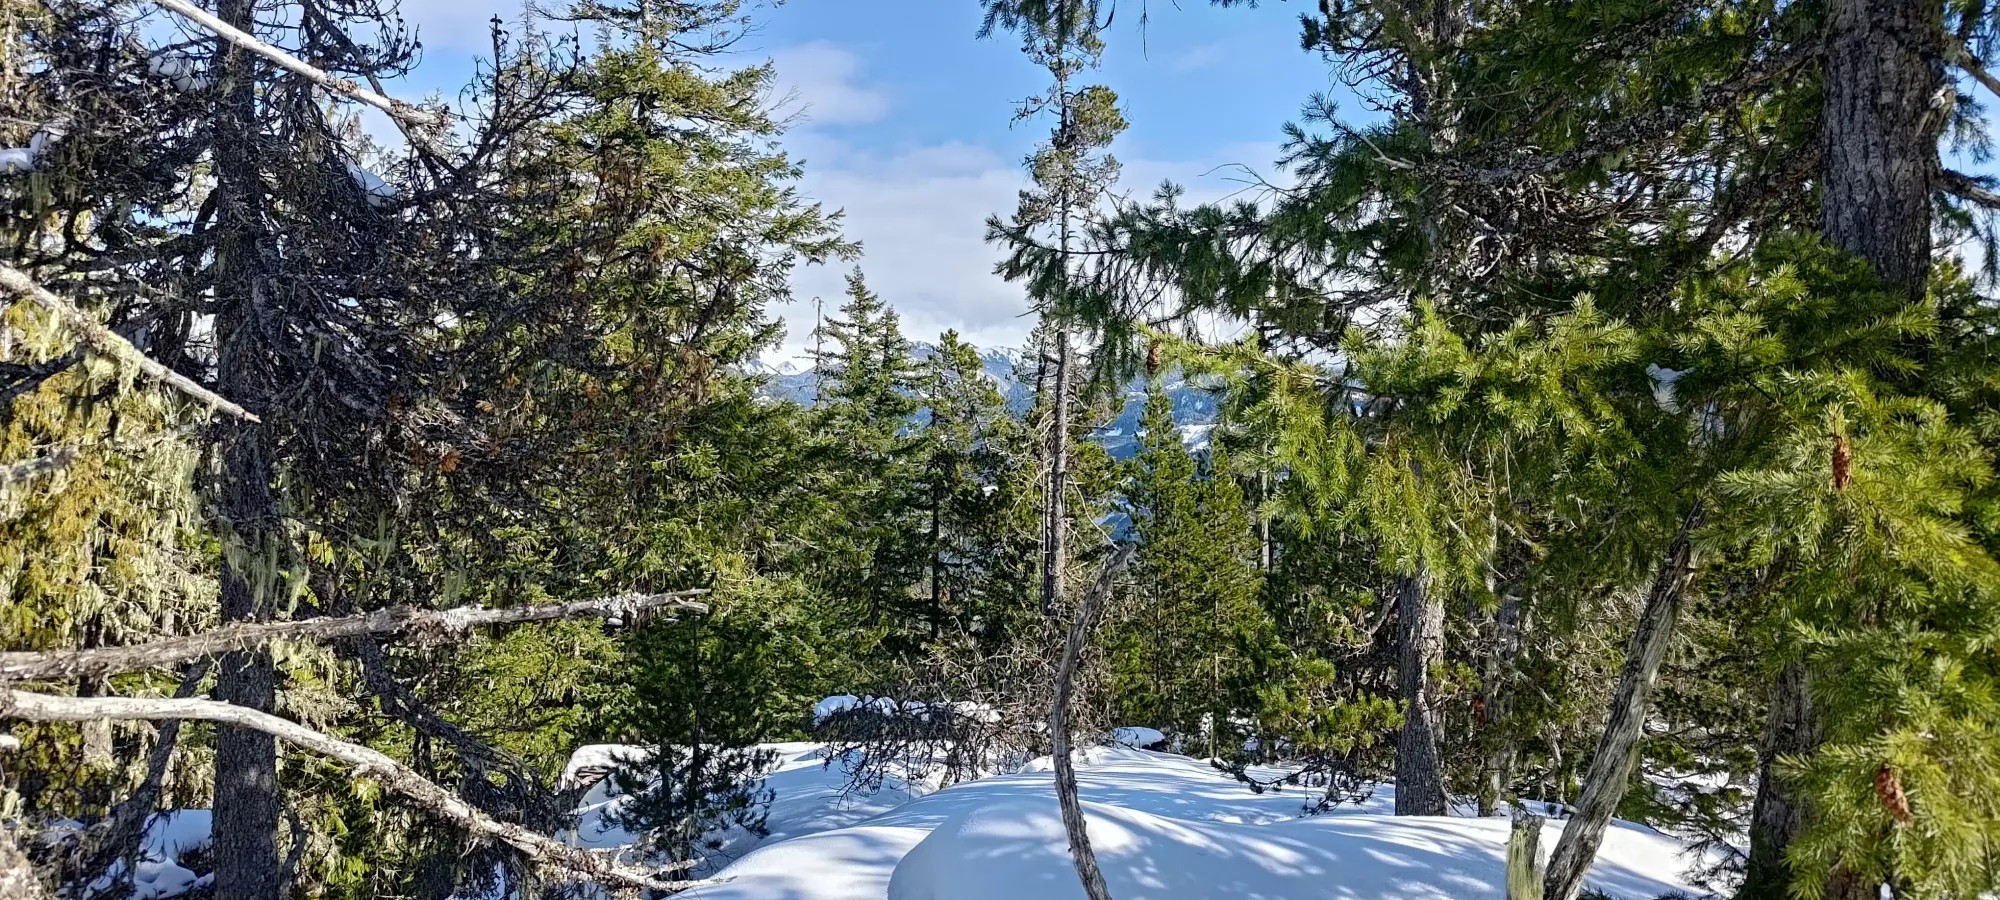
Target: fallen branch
[
  {"x": 1072, "y": 813},
  {"x": 408, "y": 112},
  {"x": 109, "y": 343},
  {"x": 53, "y": 461},
  {"x": 425, "y": 624},
  {"x": 537, "y": 848}
]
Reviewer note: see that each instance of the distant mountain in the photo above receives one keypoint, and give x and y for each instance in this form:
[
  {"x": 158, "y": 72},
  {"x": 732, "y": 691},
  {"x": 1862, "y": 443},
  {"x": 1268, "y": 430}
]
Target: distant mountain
[{"x": 1195, "y": 410}]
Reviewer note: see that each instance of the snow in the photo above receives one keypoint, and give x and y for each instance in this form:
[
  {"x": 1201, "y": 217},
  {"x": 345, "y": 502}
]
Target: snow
[
  {"x": 22, "y": 160},
  {"x": 1138, "y": 737},
  {"x": 159, "y": 874},
  {"x": 834, "y": 705},
  {"x": 186, "y": 74},
  {"x": 1164, "y": 826},
  {"x": 1664, "y": 380},
  {"x": 377, "y": 192}
]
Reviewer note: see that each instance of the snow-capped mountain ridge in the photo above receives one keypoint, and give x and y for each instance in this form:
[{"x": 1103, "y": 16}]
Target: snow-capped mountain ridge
[{"x": 1195, "y": 411}]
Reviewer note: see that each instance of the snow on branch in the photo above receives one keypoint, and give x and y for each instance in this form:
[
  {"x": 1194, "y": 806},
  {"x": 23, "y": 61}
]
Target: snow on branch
[
  {"x": 406, "y": 112},
  {"x": 424, "y": 624},
  {"x": 109, "y": 343},
  {"x": 537, "y": 848}
]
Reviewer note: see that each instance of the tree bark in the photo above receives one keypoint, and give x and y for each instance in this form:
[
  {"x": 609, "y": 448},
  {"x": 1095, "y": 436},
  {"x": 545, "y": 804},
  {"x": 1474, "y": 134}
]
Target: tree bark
[
  {"x": 1879, "y": 125},
  {"x": 1074, "y": 823},
  {"x": 1494, "y": 699},
  {"x": 1055, "y": 554},
  {"x": 1883, "y": 69},
  {"x": 1419, "y": 645},
  {"x": 1524, "y": 863},
  {"x": 246, "y": 759},
  {"x": 1779, "y": 814},
  {"x": 1617, "y": 750}
]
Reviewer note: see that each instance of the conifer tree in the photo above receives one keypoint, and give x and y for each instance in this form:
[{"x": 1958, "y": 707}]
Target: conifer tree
[
  {"x": 1070, "y": 174},
  {"x": 1184, "y": 656}
]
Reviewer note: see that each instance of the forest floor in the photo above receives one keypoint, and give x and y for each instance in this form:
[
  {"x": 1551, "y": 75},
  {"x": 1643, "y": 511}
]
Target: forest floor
[{"x": 1164, "y": 826}]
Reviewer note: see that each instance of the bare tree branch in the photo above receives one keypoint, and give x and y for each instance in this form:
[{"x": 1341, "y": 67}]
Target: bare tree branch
[
  {"x": 109, "y": 343},
  {"x": 407, "y": 112},
  {"x": 426, "y": 624},
  {"x": 537, "y": 848},
  {"x": 1079, "y": 634},
  {"x": 1958, "y": 55},
  {"x": 53, "y": 461},
  {"x": 1967, "y": 188}
]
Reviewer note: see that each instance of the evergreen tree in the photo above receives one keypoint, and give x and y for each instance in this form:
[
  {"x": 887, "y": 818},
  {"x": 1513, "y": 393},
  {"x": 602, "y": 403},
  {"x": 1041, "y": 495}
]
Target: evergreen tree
[
  {"x": 1184, "y": 658},
  {"x": 866, "y": 418}
]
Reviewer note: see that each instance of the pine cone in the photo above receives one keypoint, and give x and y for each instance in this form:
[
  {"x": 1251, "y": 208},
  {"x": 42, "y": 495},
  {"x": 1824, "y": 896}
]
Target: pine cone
[
  {"x": 1153, "y": 359},
  {"x": 1890, "y": 789},
  {"x": 1843, "y": 462}
]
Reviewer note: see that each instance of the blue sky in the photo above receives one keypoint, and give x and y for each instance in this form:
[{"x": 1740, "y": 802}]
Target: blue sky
[{"x": 905, "y": 122}]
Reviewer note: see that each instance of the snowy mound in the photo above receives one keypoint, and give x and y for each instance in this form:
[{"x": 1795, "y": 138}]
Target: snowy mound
[
  {"x": 1164, "y": 826},
  {"x": 1018, "y": 848}
]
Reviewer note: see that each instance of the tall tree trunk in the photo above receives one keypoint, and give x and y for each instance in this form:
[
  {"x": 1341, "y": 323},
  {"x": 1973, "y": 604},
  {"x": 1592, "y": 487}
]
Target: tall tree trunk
[
  {"x": 1055, "y": 511},
  {"x": 1611, "y": 763},
  {"x": 1419, "y": 645},
  {"x": 1779, "y": 814},
  {"x": 246, "y": 761},
  {"x": 1880, "y": 134},
  {"x": 1879, "y": 130},
  {"x": 1494, "y": 698}
]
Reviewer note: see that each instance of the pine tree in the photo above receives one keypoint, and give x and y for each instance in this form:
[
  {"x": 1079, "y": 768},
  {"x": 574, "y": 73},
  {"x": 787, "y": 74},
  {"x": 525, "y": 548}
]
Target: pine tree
[
  {"x": 1184, "y": 657},
  {"x": 869, "y": 386}
]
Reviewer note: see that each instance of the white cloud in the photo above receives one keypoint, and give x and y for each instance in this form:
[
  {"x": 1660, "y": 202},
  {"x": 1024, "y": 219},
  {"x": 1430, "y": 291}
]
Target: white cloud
[
  {"x": 819, "y": 82},
  {"x": 920, "y": 215}
]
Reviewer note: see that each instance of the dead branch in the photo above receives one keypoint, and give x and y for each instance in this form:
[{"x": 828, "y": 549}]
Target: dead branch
[
  {"x": 537, "y": 848},
  {"x": 1079, "y": 634},
  {"x": 53, "y": 461},
  {"x": 422, "y": 624},
  {"x": 1967, "y": 188},
  {"x": 109, "y": 343},
  {"x": 1957, "y": 53},
  {"x": 407, "y": 112}
]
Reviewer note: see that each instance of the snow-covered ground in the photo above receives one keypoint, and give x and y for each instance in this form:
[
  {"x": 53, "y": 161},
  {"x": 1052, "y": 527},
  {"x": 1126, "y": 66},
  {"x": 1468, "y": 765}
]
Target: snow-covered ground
[{"x": 1164, "y": 826}]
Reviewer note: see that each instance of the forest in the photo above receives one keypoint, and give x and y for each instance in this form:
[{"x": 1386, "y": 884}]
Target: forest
[{"x": 1599, "y": 498}]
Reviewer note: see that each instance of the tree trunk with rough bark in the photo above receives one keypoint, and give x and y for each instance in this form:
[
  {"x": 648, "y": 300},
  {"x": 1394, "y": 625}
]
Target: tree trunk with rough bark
[
  {"x": 1494, "y": 699},
  {"x": 1055, "y": 513},
  {"x": 1883, "y": 69},
  {"x": 246, "y": 759},
  {"x": 1879, "y": 126},
  {"x": 1617, "y": 750},
  {"x": 1419, "y": 646},
  {"x": 1779, "y": 814}
]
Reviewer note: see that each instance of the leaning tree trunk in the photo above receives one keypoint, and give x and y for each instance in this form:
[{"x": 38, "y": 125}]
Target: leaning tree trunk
[
  {"x": 1611, "y": 764},
  {"x": 246, "y": 760},
  {"x": 1419, "y": 646},
  {"x": 1879, "y": 132}
]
